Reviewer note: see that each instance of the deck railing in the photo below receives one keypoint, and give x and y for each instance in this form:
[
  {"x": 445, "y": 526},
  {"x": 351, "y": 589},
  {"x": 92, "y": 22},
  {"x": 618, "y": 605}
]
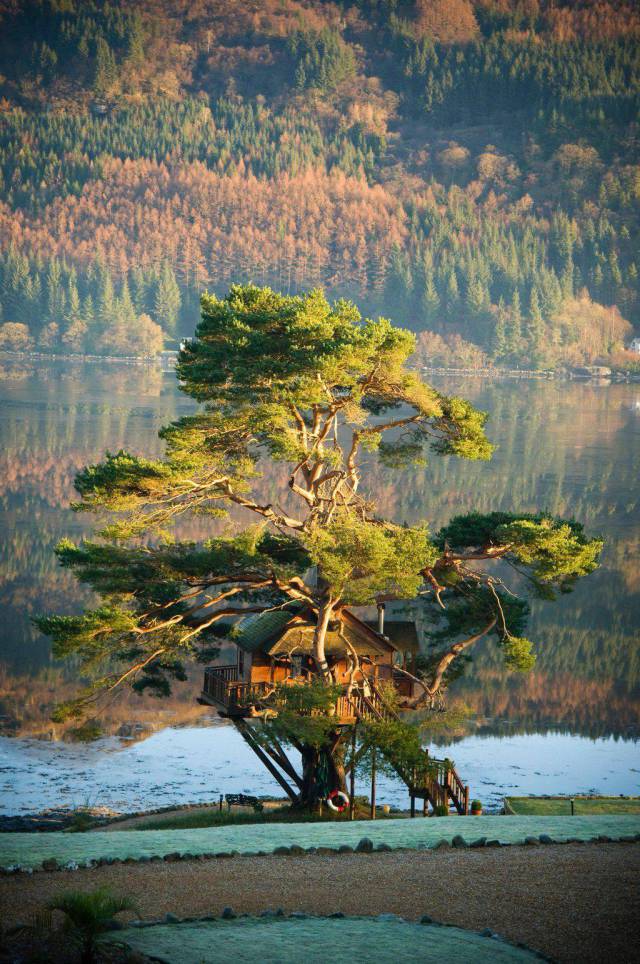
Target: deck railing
[
  {"x": 222, "y": 685},
  {"x": 216, "y": 679}
]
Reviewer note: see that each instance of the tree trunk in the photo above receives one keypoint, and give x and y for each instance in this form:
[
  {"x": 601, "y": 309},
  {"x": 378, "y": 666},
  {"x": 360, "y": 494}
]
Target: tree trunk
[
  {"x": 322, "y": 772},
  {"x": 319, "y": 636}
]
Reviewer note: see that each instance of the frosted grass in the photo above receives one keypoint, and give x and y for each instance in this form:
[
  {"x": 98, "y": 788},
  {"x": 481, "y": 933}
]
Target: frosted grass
[
  {"x": 318, "y": 940},
  {"x": 30, "y": 849}
]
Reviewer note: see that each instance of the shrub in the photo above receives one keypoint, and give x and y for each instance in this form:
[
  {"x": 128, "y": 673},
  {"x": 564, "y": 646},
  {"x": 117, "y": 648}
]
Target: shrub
[
  {"x": 87, "y": 732},
  {"x": 89, "y": 915},
  {"x": 15, "y": 337},
  {"x": 449, "y": 352}
]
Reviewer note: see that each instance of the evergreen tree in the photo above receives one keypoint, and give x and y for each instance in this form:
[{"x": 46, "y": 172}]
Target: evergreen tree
[
  {"x": 501, "y": 347},
  {"x": 106, "y": 304},
  {"x": 514, "y": 337},
  {"x": 477, "y": 298},
  {"x": 139, "y": 290},
  {"x": 55, "y": 295},
  {"x": 452, "y": 295},
  {"x": 15, "y": 288},
  {"x": 73, "y": 310},
  {"x": 275, "y": 376},
  {"x": 430, "y": 301},
  {"x": 47, "y": 62},
  {"x": 535, "y": 327},
  {"x": 135, "y": 41},
  {"x": 88, "y": 315},
  {"x": 106, "y": 71},
  {"x": 167, "y": 300},
  {"x": 125, "y": 308}
]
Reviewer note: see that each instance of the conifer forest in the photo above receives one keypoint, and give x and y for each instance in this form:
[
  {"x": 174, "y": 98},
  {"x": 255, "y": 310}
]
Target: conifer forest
[{"x": 468, "y": 168}]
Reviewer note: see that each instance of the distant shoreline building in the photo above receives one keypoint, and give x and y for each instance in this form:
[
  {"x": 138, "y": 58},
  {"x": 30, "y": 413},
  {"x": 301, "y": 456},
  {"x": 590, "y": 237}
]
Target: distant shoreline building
[{"x": 634, "y": 346}]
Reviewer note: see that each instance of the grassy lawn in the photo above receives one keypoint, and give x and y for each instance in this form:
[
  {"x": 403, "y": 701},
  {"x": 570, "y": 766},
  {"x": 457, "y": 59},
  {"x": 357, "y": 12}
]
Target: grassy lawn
[
  {"x": 31, "y": 849},
  {"x": 225, "y": 818},
  {"x": 558, "y": 806}
]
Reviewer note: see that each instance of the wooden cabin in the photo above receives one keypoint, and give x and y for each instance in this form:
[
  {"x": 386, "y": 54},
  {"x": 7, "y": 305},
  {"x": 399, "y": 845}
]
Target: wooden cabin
[{"x": 275, "y": 648}]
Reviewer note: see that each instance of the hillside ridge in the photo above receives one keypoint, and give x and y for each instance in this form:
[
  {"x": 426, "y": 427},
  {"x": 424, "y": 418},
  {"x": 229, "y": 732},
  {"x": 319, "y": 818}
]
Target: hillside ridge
[{"x": 469, "y": 168}]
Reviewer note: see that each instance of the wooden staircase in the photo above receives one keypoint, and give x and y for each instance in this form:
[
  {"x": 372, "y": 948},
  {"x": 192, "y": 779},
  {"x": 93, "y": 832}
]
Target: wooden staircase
[{"x": 437, "y": 781}]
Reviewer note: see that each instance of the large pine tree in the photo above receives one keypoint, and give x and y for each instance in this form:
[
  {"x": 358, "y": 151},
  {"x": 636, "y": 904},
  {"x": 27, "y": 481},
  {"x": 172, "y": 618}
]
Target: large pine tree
[{"x": 324, "y": 393}]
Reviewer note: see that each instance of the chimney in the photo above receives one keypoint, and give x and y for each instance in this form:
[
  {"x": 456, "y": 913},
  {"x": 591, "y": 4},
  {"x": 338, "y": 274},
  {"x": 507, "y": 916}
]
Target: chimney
[{"x": 381, "y": 618}]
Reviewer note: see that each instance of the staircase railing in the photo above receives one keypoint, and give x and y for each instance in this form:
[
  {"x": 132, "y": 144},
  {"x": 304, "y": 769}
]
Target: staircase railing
[
  {"x": 458, "y": 791},
  {"x": 438, "y": 780}
]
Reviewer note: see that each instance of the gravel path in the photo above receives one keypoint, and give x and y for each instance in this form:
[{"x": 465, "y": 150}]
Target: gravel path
[{"x": 575, "y": 903}]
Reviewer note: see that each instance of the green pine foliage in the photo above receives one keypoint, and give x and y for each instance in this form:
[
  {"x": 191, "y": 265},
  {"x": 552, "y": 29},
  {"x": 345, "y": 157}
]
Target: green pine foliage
[
  {"x": 323, "y": 60},
  {"x": 314, "y": 385}
]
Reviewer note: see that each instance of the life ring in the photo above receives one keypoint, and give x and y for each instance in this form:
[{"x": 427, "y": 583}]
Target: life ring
[{"x": 337, "y": 795}]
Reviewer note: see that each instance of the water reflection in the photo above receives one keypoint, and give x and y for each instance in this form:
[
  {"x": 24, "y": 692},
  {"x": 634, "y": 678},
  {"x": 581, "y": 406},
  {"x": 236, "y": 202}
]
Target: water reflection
[{"x": 573, "y": 448}]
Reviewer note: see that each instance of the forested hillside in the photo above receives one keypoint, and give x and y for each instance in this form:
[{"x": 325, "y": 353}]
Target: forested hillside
[{"x": 468, "y": 167}]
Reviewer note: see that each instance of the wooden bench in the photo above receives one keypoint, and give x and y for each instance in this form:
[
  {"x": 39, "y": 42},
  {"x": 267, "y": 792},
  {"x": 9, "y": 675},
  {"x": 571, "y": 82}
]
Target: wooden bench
[{"x": 243, "y": 800}]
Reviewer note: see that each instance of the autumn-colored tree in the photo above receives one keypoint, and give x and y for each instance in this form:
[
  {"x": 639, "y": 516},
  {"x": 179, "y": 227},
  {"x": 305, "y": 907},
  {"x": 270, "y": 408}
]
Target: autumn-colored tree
[
  {"x": 449, "y": 21},
  {"x": 15, "y": 337}
]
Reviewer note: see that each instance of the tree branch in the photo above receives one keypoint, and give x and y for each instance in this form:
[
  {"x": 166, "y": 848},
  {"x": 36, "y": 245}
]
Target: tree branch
[
  {"x": 267, "y": 511},
  {"x": 453, "y": 651}
]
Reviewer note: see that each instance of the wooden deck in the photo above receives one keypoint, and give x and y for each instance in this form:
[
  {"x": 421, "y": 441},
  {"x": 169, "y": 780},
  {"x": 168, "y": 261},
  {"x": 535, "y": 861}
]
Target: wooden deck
[
  {"x": 436, "y": 782},
  {"x": 232, "y": 696}
]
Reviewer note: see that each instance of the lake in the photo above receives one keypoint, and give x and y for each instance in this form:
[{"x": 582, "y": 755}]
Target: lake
[{"x": 571, "y": 725}]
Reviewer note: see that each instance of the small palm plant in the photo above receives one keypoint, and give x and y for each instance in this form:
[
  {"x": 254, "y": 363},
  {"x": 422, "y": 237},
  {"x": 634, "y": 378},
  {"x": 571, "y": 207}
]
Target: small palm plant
[{"x": 89, "y": 915}]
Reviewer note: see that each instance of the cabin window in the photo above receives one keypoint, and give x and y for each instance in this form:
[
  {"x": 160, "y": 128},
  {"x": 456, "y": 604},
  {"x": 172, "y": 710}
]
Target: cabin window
[{"x": 296, "y": 665}]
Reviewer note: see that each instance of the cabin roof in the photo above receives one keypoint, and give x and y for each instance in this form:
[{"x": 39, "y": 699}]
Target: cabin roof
[
  {"x": 298, "y": 638},
  {"x": 291, "y": 629},
  {"x": 401, "y": 633},
  {"x": 257, "y": 633}
]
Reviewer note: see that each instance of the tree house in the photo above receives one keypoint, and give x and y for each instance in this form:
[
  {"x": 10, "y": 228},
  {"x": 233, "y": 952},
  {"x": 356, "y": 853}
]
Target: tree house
[{"x": 274, "y": 648}]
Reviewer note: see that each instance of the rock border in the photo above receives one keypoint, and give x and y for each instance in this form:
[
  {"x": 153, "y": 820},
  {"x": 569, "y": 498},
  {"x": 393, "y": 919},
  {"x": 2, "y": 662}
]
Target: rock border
[{"x": 364, "y": 846}]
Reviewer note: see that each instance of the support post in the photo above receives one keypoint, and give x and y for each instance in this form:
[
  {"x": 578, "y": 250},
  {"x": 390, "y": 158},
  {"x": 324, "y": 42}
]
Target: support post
[
  {"x": 352, "y": 787},
  {"x": 373, "y": 783},
  {"x": 262, "y": 756},
  {"x": 283, "y": 761},
  {"x": 466, "y": 801},
  {"x": 413, "y": 797}
]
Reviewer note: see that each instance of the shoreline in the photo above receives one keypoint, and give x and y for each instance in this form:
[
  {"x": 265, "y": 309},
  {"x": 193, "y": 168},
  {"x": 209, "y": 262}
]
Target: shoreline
[
  {"x": 575, "y": 373},
  {"x": 132, "y": 777},
  {"x": 136, "y": 360},
  {"x": 550, "y": 374}
]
